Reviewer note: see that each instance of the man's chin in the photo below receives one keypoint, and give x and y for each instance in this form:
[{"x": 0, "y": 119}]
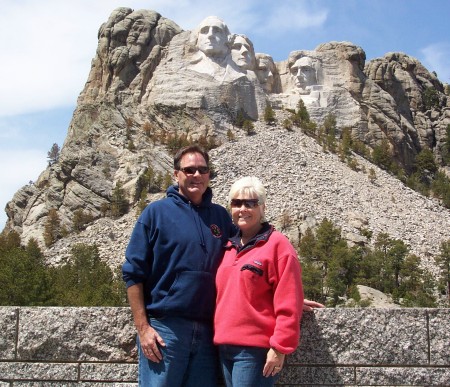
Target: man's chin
[{"x": 196, "y": 189}]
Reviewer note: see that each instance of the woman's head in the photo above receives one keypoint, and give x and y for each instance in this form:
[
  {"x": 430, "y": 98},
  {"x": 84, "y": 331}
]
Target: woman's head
[{"x": 249, "y": 187}]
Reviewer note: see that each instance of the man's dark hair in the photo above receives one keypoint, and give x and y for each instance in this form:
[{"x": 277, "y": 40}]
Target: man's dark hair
[{"x": 189, "y": 149}]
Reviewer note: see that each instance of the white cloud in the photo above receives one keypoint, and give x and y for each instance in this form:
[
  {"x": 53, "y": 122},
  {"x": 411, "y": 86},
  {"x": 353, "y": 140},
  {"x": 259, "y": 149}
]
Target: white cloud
[
  {"x": 437, "y": 58},
  {"x": 45, "y": 60},
  {"x": 291, "y": 16}
]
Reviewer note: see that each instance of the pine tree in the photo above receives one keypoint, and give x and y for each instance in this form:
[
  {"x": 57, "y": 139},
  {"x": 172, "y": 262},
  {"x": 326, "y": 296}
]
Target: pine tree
[
  {"x": 119, "y": 203},
  {"x": 23, "y": 275},
  {"x": 269, "y": 115},
  {"x": 249, "y": 127},
  {"x": 86, "y": 280},
  {"x": 346, "y": 144},
  {"x": 446, "y": 147},
  {"x": 53, "y": 154},
  {"x": 52, "y": 227},
  {"x": 230, "y": 135},
  {"x": 301, "y": 116},
  {"x": 381, "y": 155},
  {"x": 240, "y": 118},
  {"x": 81, "y": 219},
  {"x": 443, "y": 262}
]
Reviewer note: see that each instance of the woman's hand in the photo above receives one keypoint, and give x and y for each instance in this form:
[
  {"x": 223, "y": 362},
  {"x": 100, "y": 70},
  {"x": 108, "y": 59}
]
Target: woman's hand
[
  {"x": 309, "y": 305},
  {"x": 274, "y": 362}
]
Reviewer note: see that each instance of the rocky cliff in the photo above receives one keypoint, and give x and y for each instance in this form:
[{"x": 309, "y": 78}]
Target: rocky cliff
[{"x": 150, "y": 79}]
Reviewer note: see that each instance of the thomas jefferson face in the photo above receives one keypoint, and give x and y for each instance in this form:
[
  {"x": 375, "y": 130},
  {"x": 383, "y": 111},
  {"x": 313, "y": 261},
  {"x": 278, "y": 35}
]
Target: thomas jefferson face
[
  {"x": 265, "y": 69},
  {"x": 303, "y": 73},
  {"x": 242, "y": 52},
  {"x": 213, "y": 37}
]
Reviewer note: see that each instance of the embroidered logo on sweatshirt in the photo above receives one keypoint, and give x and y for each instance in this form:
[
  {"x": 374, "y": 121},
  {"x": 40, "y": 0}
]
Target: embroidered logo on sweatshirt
[{"x": 215, "y": 230}]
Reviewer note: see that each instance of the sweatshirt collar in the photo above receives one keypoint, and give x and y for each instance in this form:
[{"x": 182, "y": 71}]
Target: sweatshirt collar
[{"x": 263, "y": 235}]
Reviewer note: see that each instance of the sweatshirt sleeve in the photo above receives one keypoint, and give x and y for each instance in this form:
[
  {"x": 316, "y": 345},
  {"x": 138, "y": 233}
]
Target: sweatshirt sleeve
[
  {"x": 288, "y": 302},
  {"x": 138, "y": 256}
]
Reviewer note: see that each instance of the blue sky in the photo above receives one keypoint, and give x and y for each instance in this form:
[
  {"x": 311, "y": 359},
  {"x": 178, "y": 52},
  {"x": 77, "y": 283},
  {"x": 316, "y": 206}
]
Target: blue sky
[{"x": 48, "y": 46}]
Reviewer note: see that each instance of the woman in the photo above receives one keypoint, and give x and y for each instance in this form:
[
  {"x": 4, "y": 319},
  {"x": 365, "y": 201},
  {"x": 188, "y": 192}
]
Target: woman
[{"x": 259, "y": 293}]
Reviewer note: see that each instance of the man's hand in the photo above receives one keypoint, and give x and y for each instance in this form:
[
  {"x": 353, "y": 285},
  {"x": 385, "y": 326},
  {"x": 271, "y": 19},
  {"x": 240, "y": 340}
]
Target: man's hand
[{"x": 150, "y": 342}]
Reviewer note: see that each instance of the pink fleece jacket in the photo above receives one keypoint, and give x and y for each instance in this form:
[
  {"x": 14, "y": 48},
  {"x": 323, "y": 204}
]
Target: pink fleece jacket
[{"x": 260, "y": 295}]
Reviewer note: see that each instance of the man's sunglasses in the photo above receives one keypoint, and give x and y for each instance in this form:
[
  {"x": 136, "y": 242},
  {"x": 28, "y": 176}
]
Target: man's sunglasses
[
  {"x": 248, "y": 203},
  {"x": 193, "y": 170}
]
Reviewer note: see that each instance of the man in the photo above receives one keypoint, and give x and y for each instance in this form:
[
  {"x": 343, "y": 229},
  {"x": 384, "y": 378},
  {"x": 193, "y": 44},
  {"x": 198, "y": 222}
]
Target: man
[
  {"x": 304, "y": 73},
  {"x": 212, "y": 38},
  {"x": 265, "y": 70},
  {"x": 171, "y": 262},
  {"x": 242, "y": 52}
]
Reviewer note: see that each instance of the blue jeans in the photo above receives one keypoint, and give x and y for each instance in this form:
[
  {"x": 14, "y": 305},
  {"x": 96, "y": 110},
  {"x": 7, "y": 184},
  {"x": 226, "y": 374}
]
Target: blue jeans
[
  {"x": 189, "y": 357},
  {"x": 243, "y": 366}
]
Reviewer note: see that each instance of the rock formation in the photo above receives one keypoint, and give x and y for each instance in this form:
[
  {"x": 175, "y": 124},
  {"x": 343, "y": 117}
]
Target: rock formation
[{"x": 149, "y": 79}]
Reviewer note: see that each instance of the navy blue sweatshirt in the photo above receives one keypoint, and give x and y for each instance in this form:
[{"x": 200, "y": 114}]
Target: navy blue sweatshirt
[{"x": 174, "y": 250}]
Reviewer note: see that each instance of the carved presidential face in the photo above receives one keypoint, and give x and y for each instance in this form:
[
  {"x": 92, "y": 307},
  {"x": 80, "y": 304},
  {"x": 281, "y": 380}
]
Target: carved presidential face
[
  {"x": 213, "y": 37},
  {"x": 303, "y": 72},
  {"x": 242, "y": 52},
  {"x": 265, "y": 69}
]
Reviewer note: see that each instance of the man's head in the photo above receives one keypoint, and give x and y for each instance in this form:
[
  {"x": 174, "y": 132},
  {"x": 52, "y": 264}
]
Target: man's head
[
  {"x": 242, "y": 52},
  {"x": 304, "y": 72},
  {"x": 265, "y": 70},
  {"x": 212, "y": 37},
  {"x": 191, "y": 171}
]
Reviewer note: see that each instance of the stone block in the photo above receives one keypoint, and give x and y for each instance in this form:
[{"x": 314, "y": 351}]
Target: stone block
[
  {"x": 48, "y": 384},
  {"x": 312, "y": 375},
  {"x": 439, "y": 337},
  {"x": 406, "y": 376},
  {"x": 109, "y": 372},
  {"x": 363, "y": 336},
  {"x": 22, "y": 371},
  {"x": 76, "y": 334},
  {"x": 71, "y": 384},
  {"x": 8, "y": 332}
]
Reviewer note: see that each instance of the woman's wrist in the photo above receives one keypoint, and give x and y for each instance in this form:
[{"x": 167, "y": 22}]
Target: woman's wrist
[{"x": 277, "y": 352}]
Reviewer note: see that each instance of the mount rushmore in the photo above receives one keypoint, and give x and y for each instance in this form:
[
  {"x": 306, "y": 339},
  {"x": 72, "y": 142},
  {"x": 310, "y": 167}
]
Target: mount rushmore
[{"x": 147, "y": 71}]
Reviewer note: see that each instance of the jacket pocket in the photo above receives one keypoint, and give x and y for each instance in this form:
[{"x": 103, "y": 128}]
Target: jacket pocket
[{"x": 192, "y": 295}]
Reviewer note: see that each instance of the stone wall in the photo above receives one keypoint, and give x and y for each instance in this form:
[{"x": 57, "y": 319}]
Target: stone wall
[{"x": 95, "y": 347}]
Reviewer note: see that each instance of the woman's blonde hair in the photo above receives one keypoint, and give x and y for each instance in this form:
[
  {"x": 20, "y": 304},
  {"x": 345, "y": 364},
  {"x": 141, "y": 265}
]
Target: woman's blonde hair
[{"x": 249, "y": 186}]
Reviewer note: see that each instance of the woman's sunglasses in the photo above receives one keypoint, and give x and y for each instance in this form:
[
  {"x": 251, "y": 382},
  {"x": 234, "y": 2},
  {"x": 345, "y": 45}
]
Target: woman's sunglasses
[{"x": 248, "y": 203}]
